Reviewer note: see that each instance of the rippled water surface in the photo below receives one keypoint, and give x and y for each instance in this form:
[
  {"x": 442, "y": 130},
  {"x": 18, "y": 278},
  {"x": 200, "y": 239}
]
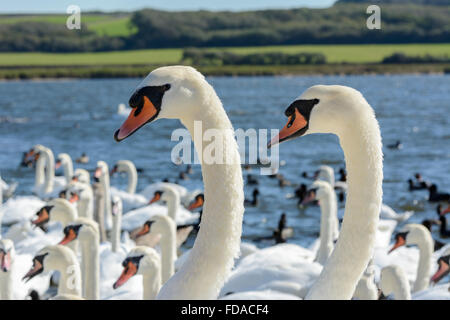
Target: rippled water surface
[{"x": 76, "y": 116}]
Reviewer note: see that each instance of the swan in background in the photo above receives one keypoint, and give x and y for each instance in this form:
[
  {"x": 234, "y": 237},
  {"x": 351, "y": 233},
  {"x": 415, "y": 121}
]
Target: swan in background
[
  {"x": 366, "y": 288},
  {"x": 393, "y": 281},
  {"x": 164, "y": 226},
  {"x": 417, "y": 234},
  {"x": 62, "y": 259},
  {"x": 83, "y": 195},
  {"x": 344, "y": 112},
  {"x": 186, "y": 196},
  {"x": 135, "y": 218},
  {"x": 50, "y": 185},
  {"x": 129, "y": 169},
  {"x": 65, "y": 161},
  {"x": 102, "y": 174},
  {"x": 7, "y": 255},
  {"x": 387, "y": 212},
  {"x": 7, "y": 191},
  {"x": 182, "y": 93},
  {"x": 144, "y": 261},
  {"x": 82, "y": 175},
  {"x": 130, "y": 199},
  {"x": 86, "y": 232}
]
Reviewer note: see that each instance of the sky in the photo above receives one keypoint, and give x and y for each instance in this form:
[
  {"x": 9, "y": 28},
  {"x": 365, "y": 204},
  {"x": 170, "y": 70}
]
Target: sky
[{"x": 59, "y": 6}]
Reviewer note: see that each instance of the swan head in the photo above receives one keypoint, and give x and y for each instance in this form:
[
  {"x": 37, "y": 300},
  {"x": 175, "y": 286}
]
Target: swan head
[
  {"x": 326, "y": 173},
  {"x": 63, "y": 159},
  {"x": 322, "y": 189},
  {"x": 101, "y": 170},
  {"x": 443, "y": 267},
  {"x": 412, "y": 234},
  {"x": 42, "y": 216},
  {"x": 81, "y": 175},
  {"x": 7, "y": 254},
  {"x": 173, "y": 92},
  {"x": 156, "y": 196},
  {"x": 198, "y": 202},
  {"x": 116, "y": 206},
  {"x": 140, "y": 260},
  {"x": 81, "y": 228},
  {"x": 321, "y": 109},
  {"x": 50, "y": 258}
]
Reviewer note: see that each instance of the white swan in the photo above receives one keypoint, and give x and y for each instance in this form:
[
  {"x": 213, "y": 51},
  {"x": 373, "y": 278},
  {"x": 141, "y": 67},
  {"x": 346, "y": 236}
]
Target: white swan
[
  {"x": 87, "y": 233},
  {"x": 443, "y": 267},
  {"x": 144, "y": 261},
  {"x": 344, "y": 112},
  {"x": 417, "y": 234},
  {"x": 181, "y": 92},
  {"x": 83, "y": 195},
  {"x": 46, "y": 185},
  {"x": 62, "y": 259},
  {"x": 65, "y": 161},
  {"x": 129, "y": 168},
  {"x": 366, "y": 288},
  {"x": 393, "y": 281},
  {"x": 116, "y": 211},
  {"x": 102, "y": 174},
  {"x": 164, "y": 226},
  {"x": 7, "y": 255}
]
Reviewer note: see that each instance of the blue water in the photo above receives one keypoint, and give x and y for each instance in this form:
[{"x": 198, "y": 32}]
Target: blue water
[{"x": 76, "y": 116}]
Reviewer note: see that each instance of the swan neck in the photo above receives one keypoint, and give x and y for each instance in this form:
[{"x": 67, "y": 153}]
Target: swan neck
[
  {"x": 68, "y": 169},
  {"x": 361, "y": 144},
  {"x": 90, "y": 260},
  {"x": 424, "y": 267},
  {"x": 151, "y": 284},
  {"x": 168, "y": 251},
  {"x": 326, "y": 230},
  {"x": 115, "y": 233},
  {"x": 6, "y": 284},
  {"x": 217, "y": 243}
]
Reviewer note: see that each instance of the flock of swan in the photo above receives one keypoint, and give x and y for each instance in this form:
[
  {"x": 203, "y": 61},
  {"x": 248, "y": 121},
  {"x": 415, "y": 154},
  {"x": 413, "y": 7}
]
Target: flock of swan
[{"x": 98, "y": 238}]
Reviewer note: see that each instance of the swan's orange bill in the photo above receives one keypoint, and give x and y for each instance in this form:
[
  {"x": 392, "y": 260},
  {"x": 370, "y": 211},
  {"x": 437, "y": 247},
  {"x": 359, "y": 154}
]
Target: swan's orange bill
[
  {"x": 5, "y": 259},
  {"x": 443, "y": 270},
  {"x": 129, "y": 271},
  {"x": 57, "y": 164},
  {"x": 135, "y": 121},
  {"x": 144, "y": 230},
  {"x": 155, "y": 198},
  {"x": 43, "y": 217},
  {"x": 295, "y": 123},
  {"x": 400, "y": 242},
  {"x": 196, "y": 204},
  {"x": 70, "y": 236},
  {"x": 35, "y": 269}
]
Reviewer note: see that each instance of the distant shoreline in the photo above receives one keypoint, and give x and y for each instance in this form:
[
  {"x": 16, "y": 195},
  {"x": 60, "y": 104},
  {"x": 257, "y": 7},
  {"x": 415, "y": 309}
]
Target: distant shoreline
[{"x": 133, "y": 71}]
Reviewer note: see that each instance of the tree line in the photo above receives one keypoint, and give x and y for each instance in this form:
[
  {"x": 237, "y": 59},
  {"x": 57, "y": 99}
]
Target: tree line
[{"x": 343, "y": 23}]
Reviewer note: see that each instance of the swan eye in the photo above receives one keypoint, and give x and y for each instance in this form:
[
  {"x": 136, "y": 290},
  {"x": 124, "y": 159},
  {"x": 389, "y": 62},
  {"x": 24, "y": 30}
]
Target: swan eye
[{"x": 166, "y": 87}]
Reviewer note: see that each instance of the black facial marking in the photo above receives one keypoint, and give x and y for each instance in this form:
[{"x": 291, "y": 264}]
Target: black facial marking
[
  {"x": 75, "y": 228},
  {"x": 304, "y": 107},
  {"x": 153, "y": 93},
  {"x": 401, "y": 235},
  {"x": 134, "y": 260}
]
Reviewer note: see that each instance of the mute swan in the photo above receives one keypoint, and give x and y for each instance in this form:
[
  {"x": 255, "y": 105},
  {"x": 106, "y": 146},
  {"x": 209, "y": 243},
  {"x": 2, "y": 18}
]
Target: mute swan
[
  {"x": 65, "y": 161},
  {"x": 83, "y": 194},
  {"x": 102, "y": 174},
  {"x": 146, "y": 262},
  {"x": 61, "y": 259},
  {"x": 393, "y": 281},
  {"x": 183, "y": 93},
  {"x": 416, "y": 234},
  {"x": 366, "y": 288},
  {"x": 82, "y": 175},
  {"x": 48, "y": 185},
  {"x": 116, "y": 211},
  {"x": 87, "y": 233},
  {"x": 129, "y": 168},
  {"x": 344, "y": 112},
  {"x": 7, "y": 255},
  {"x": 164, "y": 226}
]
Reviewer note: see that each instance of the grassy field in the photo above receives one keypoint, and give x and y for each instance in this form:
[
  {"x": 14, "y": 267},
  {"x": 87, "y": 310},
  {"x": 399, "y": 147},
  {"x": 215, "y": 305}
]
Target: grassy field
[
  {"x": 334, "y": 54},
  {"x": 104, "y": 24}
]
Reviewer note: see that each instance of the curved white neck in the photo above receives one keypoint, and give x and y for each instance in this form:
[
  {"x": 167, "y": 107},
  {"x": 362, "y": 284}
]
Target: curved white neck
[
  {"x": 49, "y": 170},
  {"x": 39, "y": 170},
  {"x": 90, "y": 266},
  {"x": 104, "y": 181},
  {"x": 173, "y": 203},
  {"x": 361, "y": 143},
  {"x": 68, "y": 169},
  {"x": 151, "y": 285},
  {"x": 217, "y": 244},
  {"x": 115, "y": 232},
  {"x": 132, "y": 177},
  {"x": 424, "y": 268},
  {"x": 168, "y": 247},
  {"x": 326, "y": 227}
]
